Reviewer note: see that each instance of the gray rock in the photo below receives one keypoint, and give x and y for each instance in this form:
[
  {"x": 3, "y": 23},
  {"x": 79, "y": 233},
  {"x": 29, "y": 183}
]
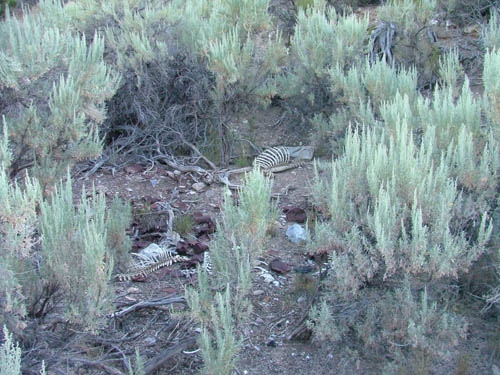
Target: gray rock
[{"x": 296, "y": 233}]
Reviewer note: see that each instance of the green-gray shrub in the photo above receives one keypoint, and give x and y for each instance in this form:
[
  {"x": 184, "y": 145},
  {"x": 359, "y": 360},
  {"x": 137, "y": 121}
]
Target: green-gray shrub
[
  {"x": 10, "y": 355},
  {"x": 250, "y": 220},
  {"x": 18, "y": 227},
  {"x": 54, "y": 85},
  {"x": 186, "y": 65},
  {"x": 407, "y": 13},
  {"x": 74, "y": 254},
  {"x": 240, "y": 239},
  {"x": 491, "y": 95},
  {"x": 491, "y": 32},
  {"x": 219, "y": 342},
  {"x": 322, "y": 40},
  {"x": 395, "y": 212},
  {"x": 118, "y": 220},
  {"x": 450, "y": 71}
]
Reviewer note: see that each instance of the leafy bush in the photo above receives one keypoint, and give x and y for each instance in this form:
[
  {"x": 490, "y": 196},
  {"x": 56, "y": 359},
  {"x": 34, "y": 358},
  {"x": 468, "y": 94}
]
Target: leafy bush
[
  {"x": 118, "y": 220},
  {"x": 322, "y": 40},
  {"x": 4, "y": 4},
  {"x": 338, "y": 73},
  {"x": 491, "y": 32},
  {"x": 53, "y": 85}
]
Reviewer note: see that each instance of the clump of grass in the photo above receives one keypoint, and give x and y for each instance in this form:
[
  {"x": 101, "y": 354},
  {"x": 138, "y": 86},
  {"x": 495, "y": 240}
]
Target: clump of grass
[
  {"x": 305, "y": 285},
  {"x": 183, "y": 224}
]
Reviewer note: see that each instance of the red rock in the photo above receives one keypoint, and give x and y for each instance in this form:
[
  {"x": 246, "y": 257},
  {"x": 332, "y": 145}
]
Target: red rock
[
  {"x": 200, "y": 247},
  {"x": 182, "y": 247},
  {"x": 277, "y": 265},
  {"x": 296, "y": 214}
]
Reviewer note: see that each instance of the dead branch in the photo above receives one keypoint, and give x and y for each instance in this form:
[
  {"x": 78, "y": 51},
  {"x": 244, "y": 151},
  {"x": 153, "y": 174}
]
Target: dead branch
[
  {"x": 159, "y": 360},
  {"x": 147, "y": 304},
  {"x": 183, "y": 168},
  {"x": 194, "y": 148}
]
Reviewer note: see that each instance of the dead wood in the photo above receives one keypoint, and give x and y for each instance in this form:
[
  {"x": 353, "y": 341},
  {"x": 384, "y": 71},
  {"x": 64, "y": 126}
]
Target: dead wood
[
  {"x": 159, "y": 360},
  {"x": 155, "y": 303}
]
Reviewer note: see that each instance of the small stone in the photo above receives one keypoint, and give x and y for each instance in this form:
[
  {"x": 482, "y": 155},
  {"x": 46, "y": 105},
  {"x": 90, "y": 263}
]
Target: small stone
[
  {"x": 296, "y": 233},
  {"x": 150, "y": 341},
  {"x": 273, "y": 252},
  {"x": 258, "y": 292},
  {"x": 198, "y": 186},
  {"x": 181, "y": 247},
  {"x": 301, "y": 299},
  {"x": 277, "y": 265}
]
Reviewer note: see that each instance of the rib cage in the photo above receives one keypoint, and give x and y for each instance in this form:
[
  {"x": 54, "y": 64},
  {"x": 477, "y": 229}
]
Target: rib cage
[
  {"x": 272, "y": 157},
  {"x": 150, "y": 262}
]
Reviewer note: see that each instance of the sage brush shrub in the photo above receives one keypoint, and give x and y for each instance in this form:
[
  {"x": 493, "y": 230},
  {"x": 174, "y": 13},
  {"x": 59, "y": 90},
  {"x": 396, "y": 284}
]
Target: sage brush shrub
[
  {"x": 18, "y": 242},
  {"x": 240, "y": 239},
  {"x": 10, "y": 355},
  {"x": 393, "y": 215},
  {"x": 118, "y": 220},
  {"x": 333, "y": 84},
  {"x": 186, "y": 65},
  {"x": 53, "y": 85},
  {"x": 491, "y": 32},
  {"x": 491, "y": 95},
  {"x": 250, "y": 220},
  {"x": 220, "y": 356},
  {"x": 322, "y": 40},
  {"x": 75, "y": 255}
]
